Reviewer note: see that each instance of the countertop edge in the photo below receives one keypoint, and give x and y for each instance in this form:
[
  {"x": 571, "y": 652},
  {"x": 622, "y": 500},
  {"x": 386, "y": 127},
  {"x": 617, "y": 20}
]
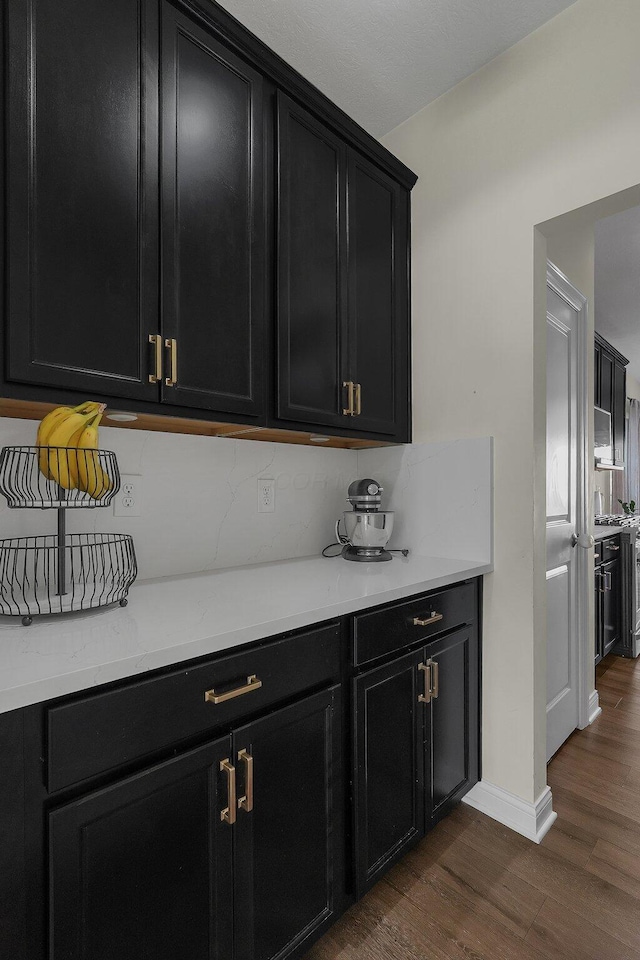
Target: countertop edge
[{"x": 88, "y": 678}]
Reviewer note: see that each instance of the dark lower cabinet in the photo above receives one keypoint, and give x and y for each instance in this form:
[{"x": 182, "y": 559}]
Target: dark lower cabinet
[
  {"x": 289, "y": 849},
  {"x": 142, "y": 869},
  {"x": 389, "y": 762},
  {"x": 608, "y": 598},
  {"x": 416, "y": 736},
  {"x": 453, "y": 720},
  {"x": 233, "y": 849}
]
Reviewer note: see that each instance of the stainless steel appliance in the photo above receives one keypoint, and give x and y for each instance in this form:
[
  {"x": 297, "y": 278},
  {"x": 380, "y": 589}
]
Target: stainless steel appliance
[
  {"x": 629, "y": 645},
  {"x": 368, "y": 528}
]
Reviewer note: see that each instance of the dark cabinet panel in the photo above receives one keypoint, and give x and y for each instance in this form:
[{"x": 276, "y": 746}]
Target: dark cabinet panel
[
  {"x": 606, "y": 381},
  {"x": 289, "y": 851},
  {"x": 596, "y": 374},
  {"x": 82, "y": 195},
  {"x": 599, "y": 589},
  {"x": 618, "y": 415},
  {"x": 213, "y": 221},
  {"x": 611, "y": 604},
  {"x": 142, "y": 869},
  {"x": 453, "y": 720},
  {"x": 311, "y": 273},
  {"x": 378, "y": 330},
  {"x": 388, "y": 765}
]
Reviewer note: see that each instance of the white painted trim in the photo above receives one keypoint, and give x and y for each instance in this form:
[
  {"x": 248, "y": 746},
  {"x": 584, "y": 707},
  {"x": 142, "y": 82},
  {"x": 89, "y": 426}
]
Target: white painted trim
[
  {"x": 594, "y": 706},
  {"x": 532, "y": 820},
  {"x": 584, "y": 522}
]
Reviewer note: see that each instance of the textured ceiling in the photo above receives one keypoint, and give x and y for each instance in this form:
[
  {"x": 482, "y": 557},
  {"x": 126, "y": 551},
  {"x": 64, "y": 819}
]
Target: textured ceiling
[
  {"x": 382, "y": 60},
  {"x": 617, "y": 284}
]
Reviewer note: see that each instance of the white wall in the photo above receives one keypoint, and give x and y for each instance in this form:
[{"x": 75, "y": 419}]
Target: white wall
[{"x": 549, "y": 126}]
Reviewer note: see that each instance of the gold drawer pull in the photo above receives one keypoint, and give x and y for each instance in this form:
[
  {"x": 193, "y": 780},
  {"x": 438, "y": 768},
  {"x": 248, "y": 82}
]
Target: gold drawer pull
[
  {"x": 172, "y": 347},
  {"x": 425, "y": 697},
  {"x": 229, "y": 812},
  {"x": 612, "y": 546},
  {"x": 349, "y": 411},
  {"x": 252, "y": 684},
  {"x": 432, "y": 618},
  {"x": 246, "y": 802},
  {"x": 156, "y": 340},
  {"x": 435, "y": 673}
]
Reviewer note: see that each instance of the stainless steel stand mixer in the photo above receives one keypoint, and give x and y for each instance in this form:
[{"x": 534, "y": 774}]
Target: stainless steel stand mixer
[{"x": 367, "y": 527}]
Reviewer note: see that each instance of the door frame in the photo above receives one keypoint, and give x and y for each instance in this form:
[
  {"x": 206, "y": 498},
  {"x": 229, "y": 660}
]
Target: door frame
[{"x": 587, "y": 711}]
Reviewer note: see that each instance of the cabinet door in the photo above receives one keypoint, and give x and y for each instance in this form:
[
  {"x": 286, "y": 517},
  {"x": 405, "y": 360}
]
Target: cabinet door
[
  {"x": 378, "y": 225},
  {"x": 597, "y": 353},
  {"x": 82, "y": 195},
  {"x": 388, "y": 778},
  {"x": 618, "y": 418},
  {"x": 453, "y": 720},
  {"x": 599, "y": 589},
  {"x": 606, "y": 381},
  {"x": 144, "y": 868},
  {"x": 611, "y": 605},
  {"x": 289, "y": 849},
  {"x": 212, "y": 220},
  {"x": 311, "y": 331}
]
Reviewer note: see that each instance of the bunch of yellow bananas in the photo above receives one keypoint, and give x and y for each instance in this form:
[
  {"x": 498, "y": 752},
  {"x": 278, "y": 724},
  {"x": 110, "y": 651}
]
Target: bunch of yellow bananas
[{"x": 77, "y": 466}]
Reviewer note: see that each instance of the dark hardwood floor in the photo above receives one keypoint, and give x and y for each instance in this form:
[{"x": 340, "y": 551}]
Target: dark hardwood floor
[{"x": 473, "y": 890}]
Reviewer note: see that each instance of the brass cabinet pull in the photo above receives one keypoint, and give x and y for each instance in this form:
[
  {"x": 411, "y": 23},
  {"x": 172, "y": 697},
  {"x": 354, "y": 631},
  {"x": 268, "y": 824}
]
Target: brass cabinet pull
[
  {"x": 601, "y": 577},
  {"x": 358, "y": 409},
  {"x": 612, "y": 546},
  {"x": 432, "y": 618},
  {"x": 246, "y": 802},
  {"x": 156, "y": 340},
  {"x": 172, "y": 346},
  {"x": 348, "y": 411},
  {"x": 252, "y": 684},
  {"x": 229, "y": 812},
  {"x": 425, "y": 697},
  {"x": 435, "y": 679}
]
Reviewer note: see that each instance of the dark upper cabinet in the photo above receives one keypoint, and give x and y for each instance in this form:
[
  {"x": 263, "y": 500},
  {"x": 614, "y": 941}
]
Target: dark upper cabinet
[
  {"x": 389, "y": 765},
  {"x": 618, "y": 414},
  {"x": 610, "y": 391},
  {"x": 289, "y": 850},
  {"x": 212, "y": 222},
  {"x": 82, "y": 181},
  {"x": 311, "y": 273},
  {"x": 342, "y": 325},
  {"x": 143, "y": 868}
]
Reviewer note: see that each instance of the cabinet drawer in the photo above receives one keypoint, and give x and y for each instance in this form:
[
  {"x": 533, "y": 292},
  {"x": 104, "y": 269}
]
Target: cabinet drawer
[
  {"x": 103, "y": 731},
  {"x": 380, "y": 632},
  {"x": 610, "y": 548}
]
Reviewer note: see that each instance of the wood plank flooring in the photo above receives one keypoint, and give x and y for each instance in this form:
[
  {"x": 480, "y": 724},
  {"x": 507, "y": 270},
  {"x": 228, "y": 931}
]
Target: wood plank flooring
[{"x": 473, "y": 890}]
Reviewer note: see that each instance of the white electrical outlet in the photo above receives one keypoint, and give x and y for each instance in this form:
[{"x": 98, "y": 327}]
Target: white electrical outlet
[
  {"x": 266, "y": 495},
  {"x": 128, "y": 501}
]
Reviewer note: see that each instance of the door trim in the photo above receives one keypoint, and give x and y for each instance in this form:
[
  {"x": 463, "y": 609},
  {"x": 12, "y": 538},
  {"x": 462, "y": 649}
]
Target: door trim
[{"x": 565, "y": 289}]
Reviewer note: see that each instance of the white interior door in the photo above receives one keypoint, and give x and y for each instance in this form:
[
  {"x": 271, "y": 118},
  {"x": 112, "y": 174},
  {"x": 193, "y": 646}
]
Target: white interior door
[{"x": 564, "y": 510}]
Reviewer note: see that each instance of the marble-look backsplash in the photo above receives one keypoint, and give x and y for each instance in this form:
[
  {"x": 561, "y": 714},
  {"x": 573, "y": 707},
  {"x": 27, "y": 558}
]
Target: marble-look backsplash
[
  {"x": 199, "y": 499},
  {"x": 199, "y": 507}
]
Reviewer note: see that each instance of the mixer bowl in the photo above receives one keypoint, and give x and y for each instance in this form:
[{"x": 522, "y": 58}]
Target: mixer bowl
[{"x": 368, "y": 531}]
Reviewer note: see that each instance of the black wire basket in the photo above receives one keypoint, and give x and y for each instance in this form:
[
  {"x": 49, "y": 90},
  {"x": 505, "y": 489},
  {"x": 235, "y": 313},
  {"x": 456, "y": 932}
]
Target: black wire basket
[
  {"x": 46, "y": 477},
  {"x": 43, "y": 575},
  {"x": 65, "y": 572}
]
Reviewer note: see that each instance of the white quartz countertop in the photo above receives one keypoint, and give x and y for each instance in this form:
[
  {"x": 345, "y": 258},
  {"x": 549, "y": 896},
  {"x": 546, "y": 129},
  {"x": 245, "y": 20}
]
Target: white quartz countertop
[
  {"x": 600, "y": 531},
  {"x": 176, "y": 619}
]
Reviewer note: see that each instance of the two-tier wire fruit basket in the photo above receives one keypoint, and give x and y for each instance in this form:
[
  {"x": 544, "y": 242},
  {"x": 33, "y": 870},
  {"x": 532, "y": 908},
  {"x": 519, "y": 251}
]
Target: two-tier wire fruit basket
[{"x": 63, "y": 572}]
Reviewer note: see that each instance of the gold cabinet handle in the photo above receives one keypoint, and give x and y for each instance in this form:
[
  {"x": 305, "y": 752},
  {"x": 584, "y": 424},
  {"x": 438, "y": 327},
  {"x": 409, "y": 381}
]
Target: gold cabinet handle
[
  {"x": 252, "y": 684},
  {"x": 358, "y": 409},
  {"x": 613, "y": 547},
  {"x": 348, "y": 411},
  {"x": 246, "y": 802},
  {"x": 435, "y": 679},
  {"x": 229, "y": 812},
  {"x": 426, "y": 622},
  {"x": 156, "y": 340},
  {"x": 425, "y": 697},
  {"x": 172, "y": 346}
]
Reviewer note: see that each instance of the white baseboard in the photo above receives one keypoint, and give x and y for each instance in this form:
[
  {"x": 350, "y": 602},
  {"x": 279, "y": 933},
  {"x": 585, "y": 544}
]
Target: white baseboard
[
  {"x": 594, "y": 706},
  {"x": 532, "y": 820}
]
